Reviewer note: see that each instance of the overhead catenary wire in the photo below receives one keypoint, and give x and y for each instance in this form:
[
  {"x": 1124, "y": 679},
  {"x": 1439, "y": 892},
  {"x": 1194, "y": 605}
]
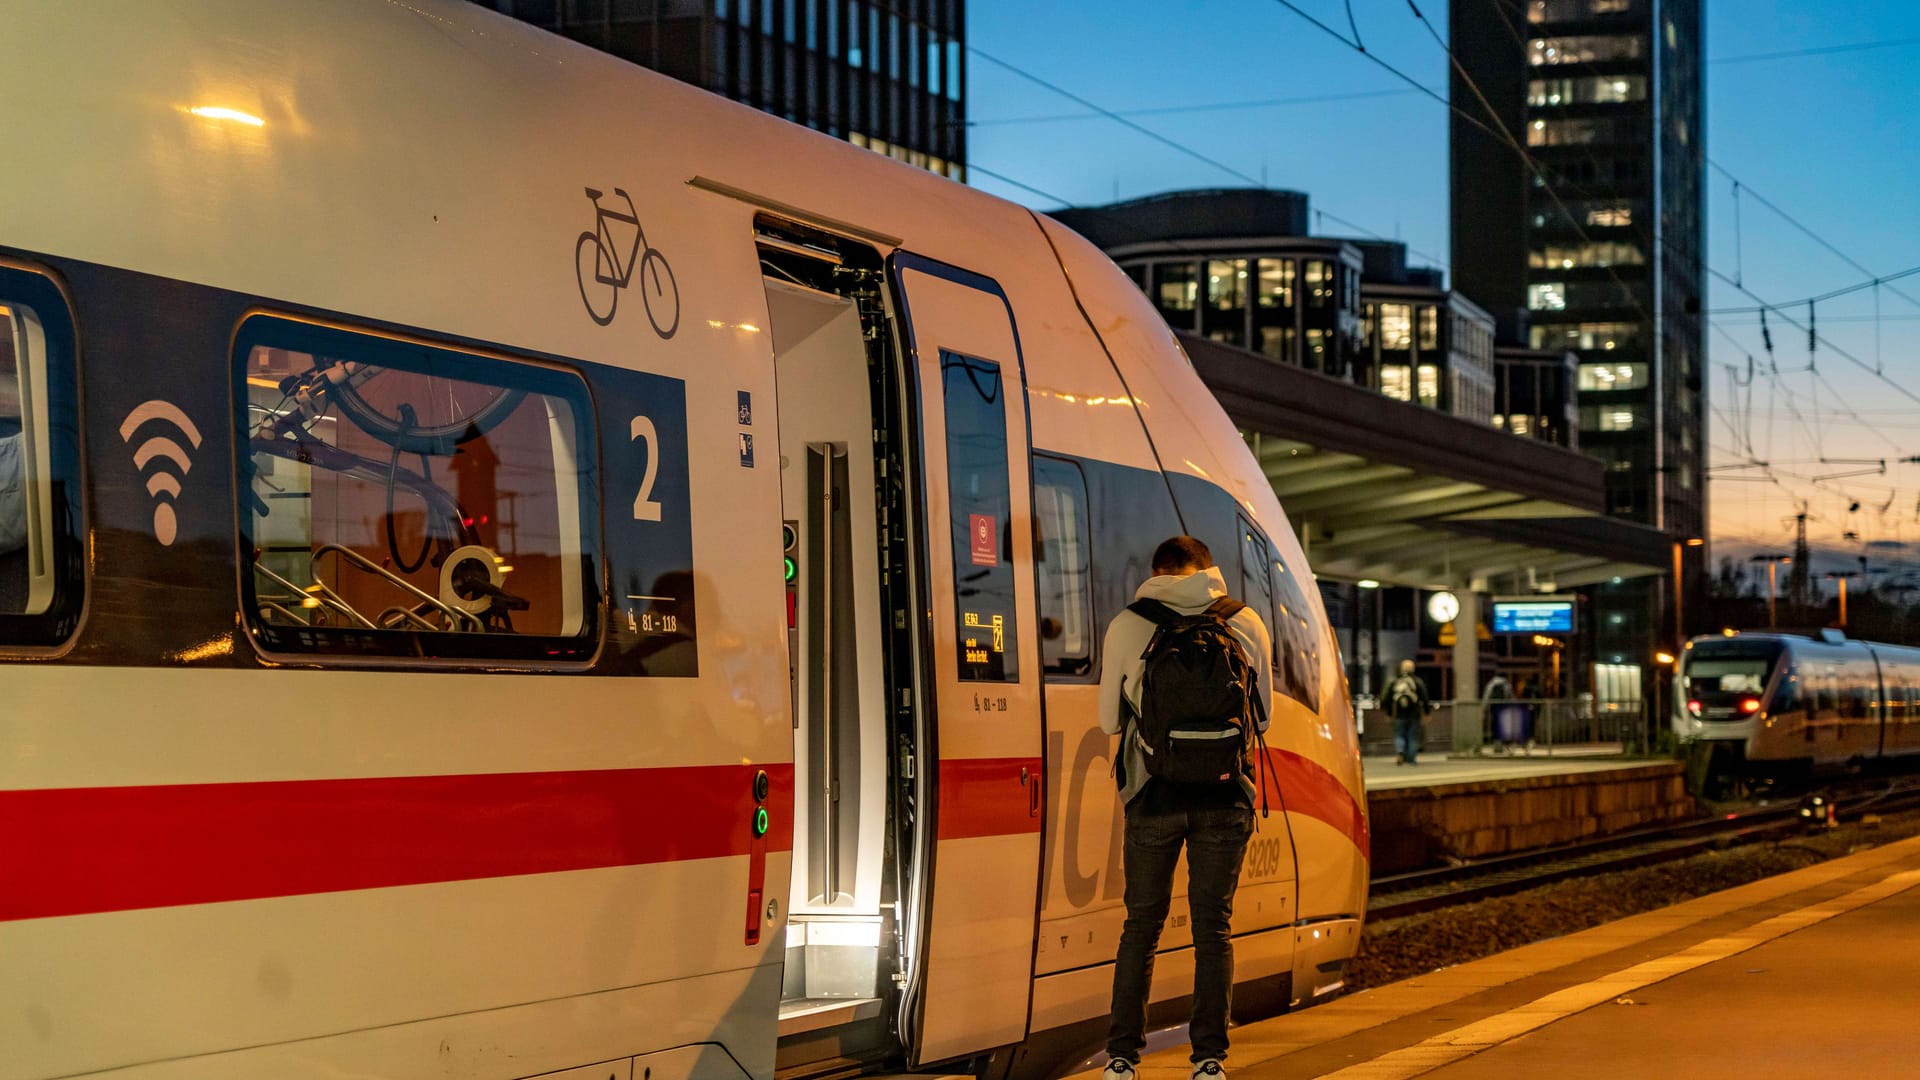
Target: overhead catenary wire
[
  {"x": 1821, "y": 50},
  {"x": 1173, "y": 144},
  {"x": 1204, "y": 107}
]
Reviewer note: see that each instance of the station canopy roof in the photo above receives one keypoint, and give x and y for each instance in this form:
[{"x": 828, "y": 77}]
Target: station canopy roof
[{"x": 1386, "y": 490}]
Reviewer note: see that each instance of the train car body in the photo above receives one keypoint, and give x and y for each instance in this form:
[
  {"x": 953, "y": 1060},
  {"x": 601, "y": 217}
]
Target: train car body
[
  {"x": 1790, "y": 704},
  {"x": 515, "y": 565}
]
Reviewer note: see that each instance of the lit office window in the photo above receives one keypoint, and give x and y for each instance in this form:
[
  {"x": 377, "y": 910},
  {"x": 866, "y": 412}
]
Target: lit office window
[
  {"x": 1227, "y": 284},
  {"x": 1612, "y": 417},
  {"x": 1584, "y": 131},
  {"x": 1595, "y": 377},
  {"x": 1609, "y": 215},
  {"x": 1547, "y": 296},
  {"x": 1396, "y": 381},
  {"x": 1316, "y": 358},
  {"x": 1587, "y": 90},
  {"x": 1603, "y": 336},
  {"x": 1226, "y": 316},
  {"x": 1430, "y": 385},
  {"x": 1589, "y": 49},
  {"x": 1547, "y": 11},
  {"x": 1598, "y": 253},
  {"x": 1176, "y": 287},
  {"x": 1275, "y": 288},
  {"x": 1276, "y": 342},
  {"x": 1319, "y": 283},
  {"x": 1429, "y": 328},
  {"x": 1396, "y": 327}
]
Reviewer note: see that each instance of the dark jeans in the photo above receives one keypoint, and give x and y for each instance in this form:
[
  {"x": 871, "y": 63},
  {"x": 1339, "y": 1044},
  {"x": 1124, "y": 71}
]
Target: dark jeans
[
  {"x": 1215, "y": 837},
  {"x": 1407, "y": 737}
]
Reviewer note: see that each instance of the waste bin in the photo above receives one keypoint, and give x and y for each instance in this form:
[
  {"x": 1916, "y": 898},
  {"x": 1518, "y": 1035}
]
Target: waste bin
[{"x": 1513, "y": 724}]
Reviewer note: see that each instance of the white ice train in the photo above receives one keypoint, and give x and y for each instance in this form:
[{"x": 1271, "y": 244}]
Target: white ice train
[
  {"x": 1788, "y": 705},
  {"x": 409, "y": 410}
]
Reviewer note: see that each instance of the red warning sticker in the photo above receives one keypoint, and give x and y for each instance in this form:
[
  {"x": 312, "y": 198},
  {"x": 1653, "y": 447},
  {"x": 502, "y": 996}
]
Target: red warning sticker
[{"x": 986, "y": 539}]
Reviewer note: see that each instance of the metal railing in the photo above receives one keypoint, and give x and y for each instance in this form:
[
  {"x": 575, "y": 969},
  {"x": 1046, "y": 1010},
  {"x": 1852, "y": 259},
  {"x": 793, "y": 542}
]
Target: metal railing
[{"x": 1521, "y": 726}]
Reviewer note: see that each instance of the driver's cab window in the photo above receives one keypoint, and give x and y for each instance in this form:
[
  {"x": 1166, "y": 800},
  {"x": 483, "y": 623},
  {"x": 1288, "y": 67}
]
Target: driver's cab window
[{"x": 405, "y": 499}]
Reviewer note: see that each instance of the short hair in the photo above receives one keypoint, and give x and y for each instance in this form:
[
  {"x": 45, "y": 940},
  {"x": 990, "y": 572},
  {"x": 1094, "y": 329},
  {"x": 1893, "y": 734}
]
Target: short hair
[{"x": 1181, "y": 553}]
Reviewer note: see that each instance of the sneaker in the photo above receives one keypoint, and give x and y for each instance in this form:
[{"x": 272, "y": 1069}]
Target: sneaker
[
  {"x": 1209, "y": 1069},
  {"x": 1119, "y": 1069}
]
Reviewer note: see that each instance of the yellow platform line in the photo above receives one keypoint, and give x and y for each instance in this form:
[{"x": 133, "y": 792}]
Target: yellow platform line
[{"x": 1469, "y": 1039}]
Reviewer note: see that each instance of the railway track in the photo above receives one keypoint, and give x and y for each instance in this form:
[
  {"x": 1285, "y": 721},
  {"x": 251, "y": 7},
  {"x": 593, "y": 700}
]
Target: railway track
[{"x": 1399, "y": 895}]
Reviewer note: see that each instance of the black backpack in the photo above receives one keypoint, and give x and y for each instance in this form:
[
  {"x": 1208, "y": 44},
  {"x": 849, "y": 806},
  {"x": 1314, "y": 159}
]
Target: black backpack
[{"x": 1198, "y": 711}]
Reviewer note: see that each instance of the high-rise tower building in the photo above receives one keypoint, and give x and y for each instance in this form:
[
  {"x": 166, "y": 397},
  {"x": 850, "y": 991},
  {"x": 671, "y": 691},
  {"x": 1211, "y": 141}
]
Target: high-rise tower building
[
  {"x": 887, "y": 76},
  {"x": 1593, "y": 238}
]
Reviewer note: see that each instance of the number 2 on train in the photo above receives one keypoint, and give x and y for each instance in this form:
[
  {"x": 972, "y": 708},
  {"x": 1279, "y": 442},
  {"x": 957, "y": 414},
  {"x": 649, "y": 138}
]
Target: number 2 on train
[{"x": 645, "y": 508}]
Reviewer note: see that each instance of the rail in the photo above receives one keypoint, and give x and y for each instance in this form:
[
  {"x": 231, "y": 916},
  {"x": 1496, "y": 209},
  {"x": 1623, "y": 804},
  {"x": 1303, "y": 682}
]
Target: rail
[{"x": 1399, "y": 895}]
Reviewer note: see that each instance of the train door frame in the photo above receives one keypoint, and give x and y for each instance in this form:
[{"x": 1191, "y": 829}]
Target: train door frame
[
  {"x": 946, "y": 1014},
  {"x": 797, "y": 253}
]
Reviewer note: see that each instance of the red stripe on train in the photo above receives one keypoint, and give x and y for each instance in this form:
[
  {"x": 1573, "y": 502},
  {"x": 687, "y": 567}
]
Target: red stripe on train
[
  {"x": 1310, "y": 789},
  {"x": 74, "y": 851},
  {"x": 989, "y": 797}
]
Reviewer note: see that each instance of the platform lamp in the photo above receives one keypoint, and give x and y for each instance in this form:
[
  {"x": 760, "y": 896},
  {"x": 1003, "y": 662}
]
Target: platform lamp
[
  {"x": 1773, "y": 567},
  {"x": 1841, "y": 576}
]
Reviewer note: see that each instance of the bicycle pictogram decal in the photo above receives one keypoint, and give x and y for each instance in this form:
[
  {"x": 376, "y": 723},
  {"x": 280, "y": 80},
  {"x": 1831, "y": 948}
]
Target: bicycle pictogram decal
[{"x": 603, "y": 273}]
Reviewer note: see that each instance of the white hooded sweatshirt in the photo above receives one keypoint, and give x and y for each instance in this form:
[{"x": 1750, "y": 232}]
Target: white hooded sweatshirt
[{"x": 1121, "y": 663}]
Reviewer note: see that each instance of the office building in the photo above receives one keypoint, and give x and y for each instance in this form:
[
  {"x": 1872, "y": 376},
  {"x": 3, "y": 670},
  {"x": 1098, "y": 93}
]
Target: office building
[
  {"x": 1237, "y": 266},
  {"x": 887, "y": 76},
  {"x": 1596, "y": 230},
  {"x": 1534, "y": 395}
]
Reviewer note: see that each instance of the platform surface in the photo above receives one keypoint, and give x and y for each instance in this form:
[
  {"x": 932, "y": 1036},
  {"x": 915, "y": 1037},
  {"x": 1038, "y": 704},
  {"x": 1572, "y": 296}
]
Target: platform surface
[
  {"x": 1434, "y": 770},
  {"x": 1807, "y": 975}
]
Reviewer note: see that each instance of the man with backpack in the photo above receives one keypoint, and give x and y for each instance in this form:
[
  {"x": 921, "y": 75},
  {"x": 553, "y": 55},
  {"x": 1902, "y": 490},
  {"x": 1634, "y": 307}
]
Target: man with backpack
[
  {"x": 1408, "y": 704},
  {"x": 1185, "y": 678}
]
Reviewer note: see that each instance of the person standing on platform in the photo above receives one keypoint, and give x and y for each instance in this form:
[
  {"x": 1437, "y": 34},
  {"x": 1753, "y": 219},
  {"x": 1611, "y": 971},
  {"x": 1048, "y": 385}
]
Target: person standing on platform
[
  {"x": 1184, "y": 683},
  {"x": 1496, "y": 697},
  {"x": 1408, "y": 703}
]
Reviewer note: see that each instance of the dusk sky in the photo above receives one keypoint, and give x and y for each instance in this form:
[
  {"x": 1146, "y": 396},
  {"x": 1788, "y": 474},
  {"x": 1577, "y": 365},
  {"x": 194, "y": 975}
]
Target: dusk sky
[{"x": 1827, "y": 137}]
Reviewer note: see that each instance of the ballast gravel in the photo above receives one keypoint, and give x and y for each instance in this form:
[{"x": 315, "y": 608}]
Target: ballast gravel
[{"x": 1400, "y": 948}]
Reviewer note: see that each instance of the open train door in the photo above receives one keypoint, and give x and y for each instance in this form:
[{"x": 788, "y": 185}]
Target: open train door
[{"x": 973, "y": 928}]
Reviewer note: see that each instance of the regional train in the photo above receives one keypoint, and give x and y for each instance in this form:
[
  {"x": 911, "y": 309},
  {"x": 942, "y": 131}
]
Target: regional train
[
  {"x": 1787, "y": 706},
  {"x": 515, "y": 566}
]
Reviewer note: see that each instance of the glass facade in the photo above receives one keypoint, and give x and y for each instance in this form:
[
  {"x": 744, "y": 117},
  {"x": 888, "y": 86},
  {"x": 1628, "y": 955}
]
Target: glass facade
[
  {"x": 889, "y": 77},
  {"x": 1429, "y": 350},
  {"x": 1293, "y": 309},
  {"x": 1602, "y": 247},
  {"x": 1534, "y": 396}
]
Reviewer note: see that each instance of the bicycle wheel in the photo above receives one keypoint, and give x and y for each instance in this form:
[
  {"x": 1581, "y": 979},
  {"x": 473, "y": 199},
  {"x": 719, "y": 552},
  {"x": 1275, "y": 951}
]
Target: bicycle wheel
[
  {"x": 657, "y": 287},
  {"x": 588, "y": 258},
  {"x": 446, "y": 412}
]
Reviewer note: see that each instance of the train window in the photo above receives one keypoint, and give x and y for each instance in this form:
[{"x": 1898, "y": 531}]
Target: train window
[
  {"x": 1297, "y": 661},
  {"x": 1062, "y": 546},
  {"x": 407, "y": 500},
  {"x": 1256, "y": 587},
  {"x": 981, "y": 511},
  {"x": 41, "y": 571},
  {"x": 1267, "y": 587}
]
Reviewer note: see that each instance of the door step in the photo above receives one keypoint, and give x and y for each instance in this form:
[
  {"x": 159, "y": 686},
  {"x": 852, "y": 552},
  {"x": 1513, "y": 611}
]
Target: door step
[
  {"x": 837, "y": 1068},
  {"x": 802, "y": 1015}
]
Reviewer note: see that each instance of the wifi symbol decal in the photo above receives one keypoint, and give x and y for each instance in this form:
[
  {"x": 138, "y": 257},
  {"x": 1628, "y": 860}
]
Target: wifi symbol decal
[{"x": 163, "y": 485}]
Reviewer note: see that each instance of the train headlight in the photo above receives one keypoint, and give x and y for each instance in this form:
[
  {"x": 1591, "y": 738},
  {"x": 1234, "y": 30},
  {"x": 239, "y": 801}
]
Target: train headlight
[{"x": 1750, "y": 705}]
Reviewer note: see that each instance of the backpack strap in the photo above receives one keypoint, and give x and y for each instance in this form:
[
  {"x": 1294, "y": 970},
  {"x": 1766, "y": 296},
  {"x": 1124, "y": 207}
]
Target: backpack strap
[
  {"x": 1225, "y": 608},
  {"x": 1154, "y": 611}
]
